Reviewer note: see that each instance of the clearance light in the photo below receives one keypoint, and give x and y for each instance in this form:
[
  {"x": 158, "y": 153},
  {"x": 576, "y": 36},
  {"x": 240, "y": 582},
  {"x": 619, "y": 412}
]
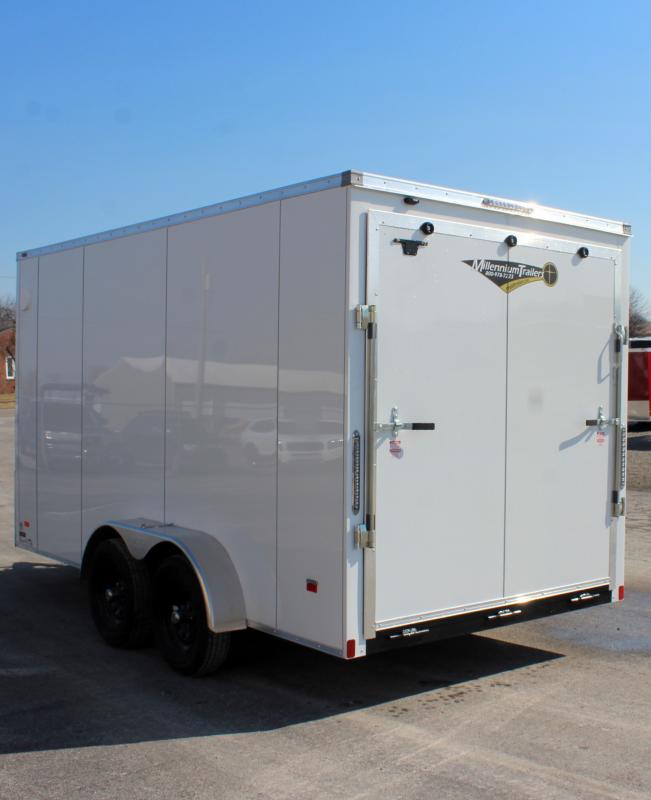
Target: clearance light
[
  {"x": 350, "y": 648},
  {"x": 621, "y": 593},
  {"x": 311, "y": 585}
]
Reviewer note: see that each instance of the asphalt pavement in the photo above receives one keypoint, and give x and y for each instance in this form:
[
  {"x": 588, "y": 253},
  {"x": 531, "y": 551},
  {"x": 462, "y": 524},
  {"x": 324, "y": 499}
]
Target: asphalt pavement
[{"x": 546, "y": 710}]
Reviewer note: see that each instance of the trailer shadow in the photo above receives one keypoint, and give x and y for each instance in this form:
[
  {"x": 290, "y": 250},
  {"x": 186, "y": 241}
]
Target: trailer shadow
[
  {"x": 61, "y": 687},
  {"x": 639, "y": 442}
]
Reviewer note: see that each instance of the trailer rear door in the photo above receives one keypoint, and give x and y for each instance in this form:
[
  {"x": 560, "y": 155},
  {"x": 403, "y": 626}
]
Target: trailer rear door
[
  {"x": 441, "y": 358},
  {"x": 508, "y": 351},
  {"x": 560, "y": 373}
]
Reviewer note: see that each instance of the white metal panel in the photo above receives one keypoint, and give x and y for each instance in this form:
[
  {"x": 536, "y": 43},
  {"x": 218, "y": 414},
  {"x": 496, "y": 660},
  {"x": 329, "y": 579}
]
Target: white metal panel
[
  {"x": 441, "y": 358},
  {"x": 222, "y": 329},
  {"x": 312, "y": 324},
  {"x": 26, "y": 393},
  {"x": 59, "y": 404},
  {"x": 559, "y": 472},
  {"x": 123, "y": 377}
]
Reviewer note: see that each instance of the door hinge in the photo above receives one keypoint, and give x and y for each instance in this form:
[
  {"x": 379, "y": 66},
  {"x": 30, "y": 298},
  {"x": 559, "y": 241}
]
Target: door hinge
[
  {"x": 364, "y": 317},
  {"x": 364, "y": 538},
  {"x": 621, "y": 337},
  {"x": 619, "y": 507}
]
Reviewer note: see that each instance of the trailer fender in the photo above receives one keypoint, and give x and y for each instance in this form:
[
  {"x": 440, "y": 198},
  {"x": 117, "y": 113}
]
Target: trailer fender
[{"x": 216, "y": 573}]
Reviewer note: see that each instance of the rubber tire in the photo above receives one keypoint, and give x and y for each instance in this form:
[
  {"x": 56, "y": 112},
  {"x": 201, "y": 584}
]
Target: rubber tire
[
  {"x": 111, "y": 557},
  {"x": 175, "y": 582}
]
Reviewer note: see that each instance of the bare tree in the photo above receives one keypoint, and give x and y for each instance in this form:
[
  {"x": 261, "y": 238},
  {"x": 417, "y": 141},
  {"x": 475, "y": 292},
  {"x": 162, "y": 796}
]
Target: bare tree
[
  {"x": 639, "y": 314},
  {"x": 7, "y": 311}
]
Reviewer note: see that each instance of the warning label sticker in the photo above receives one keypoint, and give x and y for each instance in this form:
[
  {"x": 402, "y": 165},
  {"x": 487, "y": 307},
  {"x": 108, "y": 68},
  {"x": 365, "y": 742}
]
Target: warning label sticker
[{"x": 395, "y": 448}]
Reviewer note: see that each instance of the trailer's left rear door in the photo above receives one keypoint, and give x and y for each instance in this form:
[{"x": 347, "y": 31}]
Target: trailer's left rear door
[{"x": 441, "y": 358}]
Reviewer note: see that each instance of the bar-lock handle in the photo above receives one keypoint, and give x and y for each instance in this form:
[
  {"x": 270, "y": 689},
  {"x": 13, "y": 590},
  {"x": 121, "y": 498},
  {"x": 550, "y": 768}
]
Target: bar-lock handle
[
  {"x": 602, "y": 421},
  {"x": 396, "y": 425}
]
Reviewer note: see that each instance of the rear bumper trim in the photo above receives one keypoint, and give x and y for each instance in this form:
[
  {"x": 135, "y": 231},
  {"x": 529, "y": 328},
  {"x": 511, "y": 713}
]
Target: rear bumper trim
[{"x": 488, "y": 619}]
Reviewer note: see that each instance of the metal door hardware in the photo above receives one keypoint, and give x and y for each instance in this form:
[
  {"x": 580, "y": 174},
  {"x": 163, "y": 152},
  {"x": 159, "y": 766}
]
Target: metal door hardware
[
  {"x": 364, "y": 317},
  {"x": 622, "y": 458},
  {"x": 364, "y": 538},
  {"x": 504, "y": 613},
  {"x": 619, "y": 473},
  {"x": 602, "y": 421},
  {"x": 584, "y": 597},
  {"x": 357, "y": 478},
  {"x": 410, "y": 246},
  {"x": 405, "y": 633},
  {"x": 396, "y": 425},
  {"x": 621, "y": 337}
]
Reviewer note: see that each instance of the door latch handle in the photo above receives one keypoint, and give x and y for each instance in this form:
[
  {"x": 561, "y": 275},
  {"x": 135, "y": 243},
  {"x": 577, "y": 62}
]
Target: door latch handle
[
  {"x": 602, "y": 421},
  {"x": 396, "y": 425}
]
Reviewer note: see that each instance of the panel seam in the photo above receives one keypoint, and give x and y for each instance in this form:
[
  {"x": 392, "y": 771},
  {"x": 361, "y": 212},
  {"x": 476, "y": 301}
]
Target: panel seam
[
  {"x": 36, "y": 447},
  {"x": 81, "y": 405},
  {"x": 506, "y": 442},
  {"x": 280, "y": 240},
  {"x": 165, "y": 309}
]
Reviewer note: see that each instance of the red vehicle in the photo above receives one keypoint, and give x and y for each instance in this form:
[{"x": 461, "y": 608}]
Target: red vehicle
[{"x": 639, "y": 379}]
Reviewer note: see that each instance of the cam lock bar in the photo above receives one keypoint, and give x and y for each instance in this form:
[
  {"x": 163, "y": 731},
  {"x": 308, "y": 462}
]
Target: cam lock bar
[
  {"x": 602, "y": 421},
  {"x": 396, "y": 425}
]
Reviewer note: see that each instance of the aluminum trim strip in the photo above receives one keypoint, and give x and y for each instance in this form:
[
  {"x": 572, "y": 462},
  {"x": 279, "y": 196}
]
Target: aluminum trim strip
[
  {"x": 354, "y": 178},
  {"x": 473, "y": 200},
  {"x": 430, "y": 616},
  {"x": 248, "y": 201}
]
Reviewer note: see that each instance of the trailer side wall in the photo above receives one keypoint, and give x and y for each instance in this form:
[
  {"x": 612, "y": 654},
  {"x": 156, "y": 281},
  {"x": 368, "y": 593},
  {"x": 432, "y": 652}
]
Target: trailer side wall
[
  {"x": 221, "y": 355},
  {"x": 311, "y": 393},
  {"x": 157, "y": 381}
]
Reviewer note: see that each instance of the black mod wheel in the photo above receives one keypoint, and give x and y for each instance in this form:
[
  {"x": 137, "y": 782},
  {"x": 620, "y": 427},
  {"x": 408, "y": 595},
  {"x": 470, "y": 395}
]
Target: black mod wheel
[
  {"x": 183, "y": 636},
  {"x": 119, "y": 590}
]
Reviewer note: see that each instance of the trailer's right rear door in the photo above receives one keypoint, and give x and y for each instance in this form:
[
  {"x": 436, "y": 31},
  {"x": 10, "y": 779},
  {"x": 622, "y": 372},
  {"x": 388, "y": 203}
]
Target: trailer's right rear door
[{"x": 559, "y": 473}]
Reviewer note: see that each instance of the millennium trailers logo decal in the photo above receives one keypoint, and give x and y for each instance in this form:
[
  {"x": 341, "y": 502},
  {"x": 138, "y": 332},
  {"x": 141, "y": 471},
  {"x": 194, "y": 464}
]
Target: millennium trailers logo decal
[{"x": 509, "y": 275}]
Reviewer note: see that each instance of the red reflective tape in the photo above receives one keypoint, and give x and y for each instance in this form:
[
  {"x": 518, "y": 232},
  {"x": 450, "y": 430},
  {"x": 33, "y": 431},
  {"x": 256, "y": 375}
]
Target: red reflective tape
[{"x": 350, "y": 648}]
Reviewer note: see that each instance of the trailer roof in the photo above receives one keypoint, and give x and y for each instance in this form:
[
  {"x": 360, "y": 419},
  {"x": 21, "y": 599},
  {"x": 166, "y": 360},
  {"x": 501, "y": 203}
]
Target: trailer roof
[{"x": 363, "y": 180}]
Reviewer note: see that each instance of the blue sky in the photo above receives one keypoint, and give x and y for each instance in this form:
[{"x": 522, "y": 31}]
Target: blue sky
[{"x": 117, "y": 112}]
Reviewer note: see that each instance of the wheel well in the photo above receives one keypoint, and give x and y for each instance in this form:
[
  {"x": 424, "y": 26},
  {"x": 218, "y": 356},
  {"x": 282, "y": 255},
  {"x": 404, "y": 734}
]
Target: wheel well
[
  {"x": 161, "y": 551},
  {"x": 100, "y": 535},
  {"x": 152, "y": 559}
]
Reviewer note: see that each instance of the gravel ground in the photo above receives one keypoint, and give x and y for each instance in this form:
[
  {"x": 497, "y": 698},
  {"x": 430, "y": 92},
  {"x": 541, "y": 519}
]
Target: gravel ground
[{"x": 547, "y": 710}]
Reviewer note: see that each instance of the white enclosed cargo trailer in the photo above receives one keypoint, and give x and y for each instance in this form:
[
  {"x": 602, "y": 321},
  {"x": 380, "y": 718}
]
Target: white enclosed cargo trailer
[{"x": 354, "y": 413}]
